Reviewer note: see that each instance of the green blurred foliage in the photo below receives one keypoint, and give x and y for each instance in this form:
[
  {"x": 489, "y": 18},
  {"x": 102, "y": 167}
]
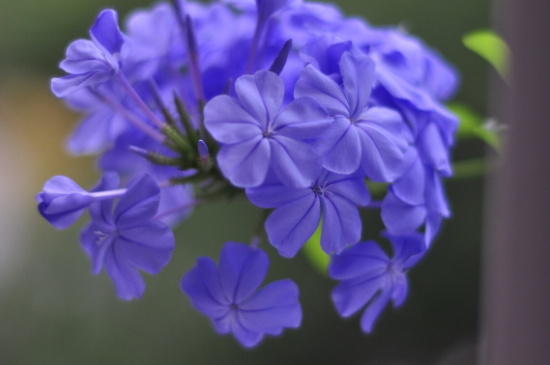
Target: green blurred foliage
[{"x": 491, "y": 47}]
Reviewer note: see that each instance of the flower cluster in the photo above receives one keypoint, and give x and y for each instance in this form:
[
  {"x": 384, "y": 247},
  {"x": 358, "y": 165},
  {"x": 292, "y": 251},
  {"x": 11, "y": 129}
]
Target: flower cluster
[{"x": 286, "y": 101}]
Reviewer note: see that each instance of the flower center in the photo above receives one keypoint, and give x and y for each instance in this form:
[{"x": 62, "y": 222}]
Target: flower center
[
  {"x": 394, "y": 269},
  {"x": 101, "y": 237},
  {"x": 320, "y": 190}
]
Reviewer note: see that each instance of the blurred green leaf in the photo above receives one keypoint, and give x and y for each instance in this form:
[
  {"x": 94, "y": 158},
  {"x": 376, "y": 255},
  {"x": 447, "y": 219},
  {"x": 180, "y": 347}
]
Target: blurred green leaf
[
  {"x": 377, "y": 189},
  {"x": 315, "y": 254},
  {"x": 491, "y": 47},
  {"x": 467, "y": 169},
  {"x": 473, "y": 125}
]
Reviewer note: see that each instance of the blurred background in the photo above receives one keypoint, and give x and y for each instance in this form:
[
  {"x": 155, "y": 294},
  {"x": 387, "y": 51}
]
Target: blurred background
[{"x": 54, "y": 311}]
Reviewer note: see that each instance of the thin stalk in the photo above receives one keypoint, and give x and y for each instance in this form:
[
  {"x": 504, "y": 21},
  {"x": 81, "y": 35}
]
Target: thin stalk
[
  {"x": 139, "y": 101},
  {"x": 160, "y": 104}
]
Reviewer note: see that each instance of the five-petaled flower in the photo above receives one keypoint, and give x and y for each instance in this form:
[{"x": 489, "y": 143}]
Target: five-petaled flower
[
  {"x": 333, "y": 196},
  {"x": 369, "y": 277},
  {"x": 91, "y": 63},
  {"x": 257, "y": 137},
  {"x": 130, "y": 238},
  {"x": 229, "y": 295}
]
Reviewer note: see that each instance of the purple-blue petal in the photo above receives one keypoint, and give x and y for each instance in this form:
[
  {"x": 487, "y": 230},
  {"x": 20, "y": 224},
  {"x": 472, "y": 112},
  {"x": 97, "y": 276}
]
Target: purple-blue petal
[
  {"x": 266, "y": 8},
  {"x": 292, "y": 224},
  {"x": 342, "y": 147},
  {"x": 105, "y": 32},
  {"x": 67, "y": 85},
  {"x": 304, "y": 118},
  {"x": 407, "y": 249},
  {"x": 275, "y": 195},
  {"x": 96, "y": 245},
  {"x": 400, "y": 290},
  {"x": 203, "y": 287},
  {"x": 382, "y": 158},
  {"x": 245, "y": 164},
  {"x": 351, "y": 295},
  {"x": 322, "y": 88},
  {"x": 228, "y": 121},
  {"x": 363, "y": 259},
  {"x": 358, "y": 78},
  {"x": 399, "y": 217},
  {"x": 261, "y": 95},
  {"x": 128, "y": 281},
  {"x": 410, "y": 187},
  {"x": 374, "y": 310},
  {"x": 242, "y": 270},
  {"x": 272, "y": 308},
  {"x": 96, "y": 132},
  {"x": 352, "y": 188},
  {"x": 294, "y": 162},
  {"x": 433, "y": 149},
  {"x": 147, "y": 246},
  {"x": 246, "y": 337},
  {"x": 139, "y": 204},
  {"x": 341, "y": 224}
]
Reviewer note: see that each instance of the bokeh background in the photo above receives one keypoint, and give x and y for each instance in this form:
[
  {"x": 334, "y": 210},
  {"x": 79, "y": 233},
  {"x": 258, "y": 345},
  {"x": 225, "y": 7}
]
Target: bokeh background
[{"x": 54, "y": 311}]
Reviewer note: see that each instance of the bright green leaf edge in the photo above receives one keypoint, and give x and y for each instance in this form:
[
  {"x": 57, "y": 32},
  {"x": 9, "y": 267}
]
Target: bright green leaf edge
[{"x": 489, "y": 45}]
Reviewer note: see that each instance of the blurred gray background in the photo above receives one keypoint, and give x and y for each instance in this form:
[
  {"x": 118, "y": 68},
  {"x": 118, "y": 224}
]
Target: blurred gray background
[{"x": 54, "y": 311}]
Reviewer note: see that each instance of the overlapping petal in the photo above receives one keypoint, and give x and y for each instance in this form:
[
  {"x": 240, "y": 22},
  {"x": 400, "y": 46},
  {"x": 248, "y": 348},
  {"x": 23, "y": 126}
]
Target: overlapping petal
[
  {"x": 245, "y": 164},
  {"x": 290, "y": 225}
]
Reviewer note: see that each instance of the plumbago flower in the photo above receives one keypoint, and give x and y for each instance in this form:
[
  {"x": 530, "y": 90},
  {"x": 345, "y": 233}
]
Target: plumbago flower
[
  {"x": 130, "y": 238},
  {"x": 94, "y": 62},
  {"x": 368, "y": 275},
  {"x": 333, "y": 197},
  {"x": 257, "y": 137},
  {"x": 285, "y": 102},
  {"x": 229, "y": 294},
  {"x": 359, "y": 136}
]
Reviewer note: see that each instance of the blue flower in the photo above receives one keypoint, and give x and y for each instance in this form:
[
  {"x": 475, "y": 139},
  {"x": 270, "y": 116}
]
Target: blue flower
[
  {"x": 229, "y": 295},
  {"x": 103, "y": 123},
  {"x": 417, "y": 197},
  {"x": 156, "y": 41},
  {"x": 369, "y": 277},
  {"x": 130, "y": 238},
  {"x": 266, "y": 8},
  {"x": 256, "y": 136},
  {"x": 359, "y": 136},
  {"x": 91, "y": 63},
  {"x": 299, "y": 210},
  {"x": 62, "y": 201},
  {"x": 403, "y": 212}
]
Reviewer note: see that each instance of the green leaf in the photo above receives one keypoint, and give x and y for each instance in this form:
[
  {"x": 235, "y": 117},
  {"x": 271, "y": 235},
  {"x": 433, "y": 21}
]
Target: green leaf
[
  {"x": 315, "y": 254},
  {"x": 473, "y": 125},
  {"x": 491, "y": 47},
  {"x": 467, "y": 169}
]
